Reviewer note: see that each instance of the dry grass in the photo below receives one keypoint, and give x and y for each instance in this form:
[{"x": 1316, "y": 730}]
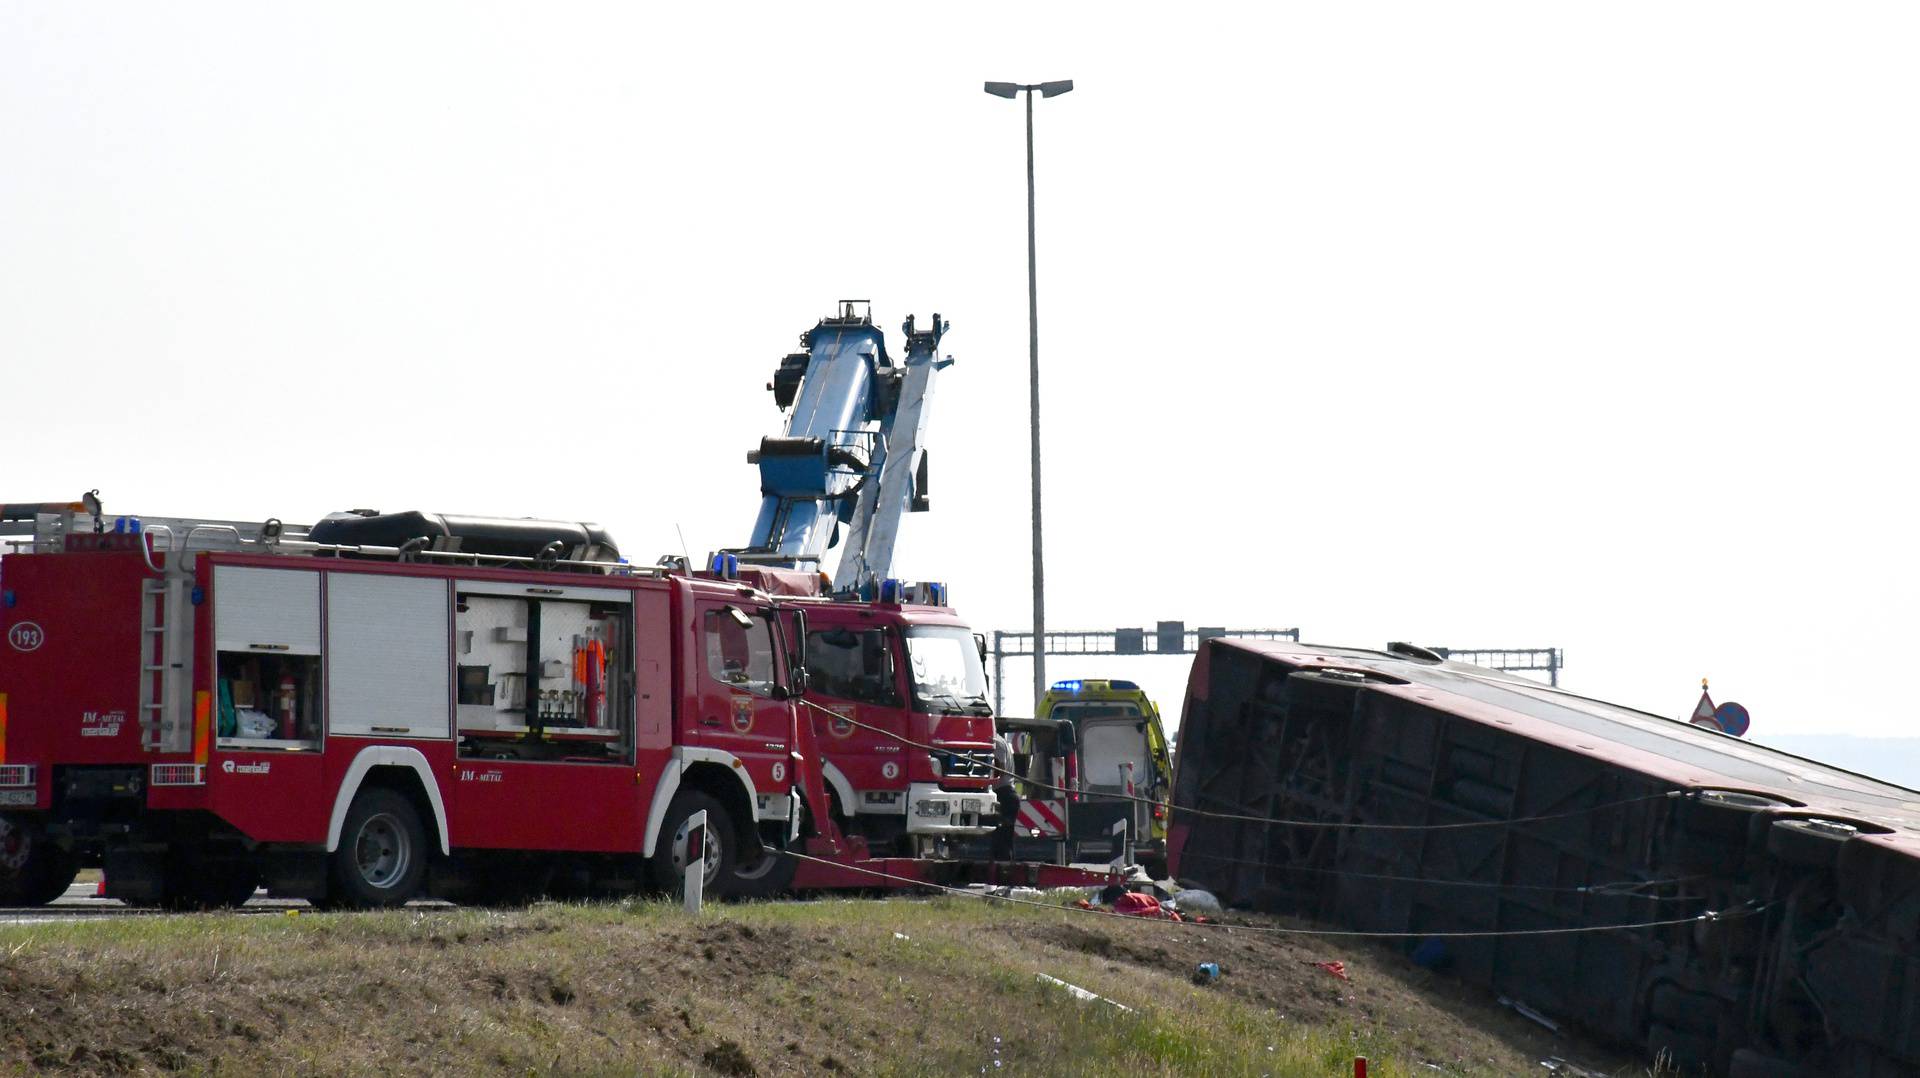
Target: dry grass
[{"x": 817, "y": 987}]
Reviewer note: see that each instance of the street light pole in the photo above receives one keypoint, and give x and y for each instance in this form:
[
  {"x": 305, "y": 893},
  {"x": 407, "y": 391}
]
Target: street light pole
[{"x": 1046, "y": 89}]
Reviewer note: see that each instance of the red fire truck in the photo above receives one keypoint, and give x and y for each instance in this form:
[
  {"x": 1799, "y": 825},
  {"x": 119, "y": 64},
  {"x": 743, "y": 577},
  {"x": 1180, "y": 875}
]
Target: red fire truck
[
  {"x": 483, "y": 709},
  {"x": 885, "y": 678}
]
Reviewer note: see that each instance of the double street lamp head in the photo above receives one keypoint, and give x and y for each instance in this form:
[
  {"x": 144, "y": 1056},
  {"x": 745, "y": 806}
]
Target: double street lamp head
[{"x": 1047, "y": 89}]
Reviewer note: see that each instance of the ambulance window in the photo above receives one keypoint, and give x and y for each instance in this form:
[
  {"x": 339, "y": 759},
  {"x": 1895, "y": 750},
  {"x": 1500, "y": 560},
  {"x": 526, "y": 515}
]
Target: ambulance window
[
  {"x": 852, "y": 665},
  {"x": 739, "y": 649},
  {"x": 1113, "y": 754}
]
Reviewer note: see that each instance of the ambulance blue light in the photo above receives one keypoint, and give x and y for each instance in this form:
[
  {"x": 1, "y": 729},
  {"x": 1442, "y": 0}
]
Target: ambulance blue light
[
  {"x": 1125, "y": 686},
  {"x": 1067, "y": 686}
]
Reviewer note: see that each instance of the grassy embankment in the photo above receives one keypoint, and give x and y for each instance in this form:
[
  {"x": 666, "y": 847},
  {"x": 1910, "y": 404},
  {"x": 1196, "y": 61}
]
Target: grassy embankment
[{"x": 803, "y": 987}]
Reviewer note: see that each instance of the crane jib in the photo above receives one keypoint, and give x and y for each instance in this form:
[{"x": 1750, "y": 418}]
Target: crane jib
[{"x": 851, "y": 460}]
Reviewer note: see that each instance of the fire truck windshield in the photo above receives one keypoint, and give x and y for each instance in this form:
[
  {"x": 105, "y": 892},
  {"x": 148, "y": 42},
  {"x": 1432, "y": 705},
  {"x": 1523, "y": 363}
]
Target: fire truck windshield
[
  {"x": 947, "y": 675},
  {"x": 852, "y": 665}
]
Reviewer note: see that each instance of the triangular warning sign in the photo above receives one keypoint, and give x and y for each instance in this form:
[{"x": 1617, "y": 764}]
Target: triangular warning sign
[{"x": 1703, "y": 711}]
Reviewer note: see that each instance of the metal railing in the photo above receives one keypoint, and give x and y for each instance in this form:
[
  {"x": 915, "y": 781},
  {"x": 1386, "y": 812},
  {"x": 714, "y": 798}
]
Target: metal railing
[
  {"x": 1165, "y": 638},
  {"x": 1549, "y": 661}
]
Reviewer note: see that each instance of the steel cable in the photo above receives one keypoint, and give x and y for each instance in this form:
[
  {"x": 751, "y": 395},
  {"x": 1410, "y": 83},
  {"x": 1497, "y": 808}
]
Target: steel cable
[
  {"x": 1708, "y": 915},
  {"x": 1270, "y": 820}
]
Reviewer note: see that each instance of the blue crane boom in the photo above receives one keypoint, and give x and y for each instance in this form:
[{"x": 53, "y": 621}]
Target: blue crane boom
[{"x": 852, "y": 459}]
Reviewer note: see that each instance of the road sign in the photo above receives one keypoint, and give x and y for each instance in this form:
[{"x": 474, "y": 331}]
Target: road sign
[{"x": 1733, "y": 718}]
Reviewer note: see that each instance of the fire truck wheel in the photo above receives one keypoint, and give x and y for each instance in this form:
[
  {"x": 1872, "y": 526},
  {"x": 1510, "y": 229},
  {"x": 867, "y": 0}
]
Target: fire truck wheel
[
  {"x": 769, "y": 875},
  {"x": 383, "y": 852},
  {"x": 33, "y": 871},
  {"x": 670, "y": 850}
]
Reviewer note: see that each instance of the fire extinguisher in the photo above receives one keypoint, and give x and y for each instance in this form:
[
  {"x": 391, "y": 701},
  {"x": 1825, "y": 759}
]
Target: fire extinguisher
[{"x": 287, "y": 696}]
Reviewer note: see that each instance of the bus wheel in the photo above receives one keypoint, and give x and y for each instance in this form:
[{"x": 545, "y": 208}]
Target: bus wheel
[
  {"x": 670, "y": 849},
  {"x": 33, "y": 871},
  {"x": 381, "y": 859}
]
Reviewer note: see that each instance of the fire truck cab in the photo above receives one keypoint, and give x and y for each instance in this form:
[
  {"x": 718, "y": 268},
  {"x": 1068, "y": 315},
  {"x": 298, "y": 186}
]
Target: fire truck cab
[
  {"x": 481, "y": 710},
  {"x": 898, "y": 698}
]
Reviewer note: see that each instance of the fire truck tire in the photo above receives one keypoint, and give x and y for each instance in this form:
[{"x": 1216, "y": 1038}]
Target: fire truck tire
[
  {"x": 382, "y": 857},
  {"x": 33, "y": 871},
  {"x": 671, "y": 847},
  {"x": 768, "y": 876}
]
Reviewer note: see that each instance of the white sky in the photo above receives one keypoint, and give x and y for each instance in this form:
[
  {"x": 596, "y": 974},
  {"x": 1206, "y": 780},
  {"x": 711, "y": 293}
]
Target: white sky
[{"x": 1469, "y": 324}]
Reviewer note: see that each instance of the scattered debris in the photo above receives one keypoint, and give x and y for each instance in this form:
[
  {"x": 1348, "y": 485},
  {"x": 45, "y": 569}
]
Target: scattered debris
[
  {"x": 1135, "y": 904},
  {"x": 1206, "y": 973},
  {"x": 1338, "y": 969},
  {"x": 1082, "y": 994},
  {"x": 1194, "y": 900},
  {"x": 901, "y": 936},
  {"x": 1529, "y": 1013},
  {"x": 1561, "y": 1066}
]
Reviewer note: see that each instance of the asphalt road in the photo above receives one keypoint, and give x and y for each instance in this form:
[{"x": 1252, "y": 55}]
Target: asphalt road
[{"x": 79, "y": 904}]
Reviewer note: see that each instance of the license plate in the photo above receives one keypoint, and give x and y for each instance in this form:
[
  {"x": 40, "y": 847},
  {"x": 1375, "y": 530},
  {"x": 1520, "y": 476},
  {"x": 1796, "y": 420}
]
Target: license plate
[{"x": 16, "y": 797}]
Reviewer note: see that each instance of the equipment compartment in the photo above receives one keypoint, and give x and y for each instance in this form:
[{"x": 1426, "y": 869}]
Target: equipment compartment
[
  {"x": 543, "y": 678},
  {"x": 268, "y": 700}
]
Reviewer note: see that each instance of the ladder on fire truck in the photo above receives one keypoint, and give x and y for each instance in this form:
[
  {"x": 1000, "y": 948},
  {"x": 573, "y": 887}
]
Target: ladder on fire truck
[{"x": 165, "y": 678}]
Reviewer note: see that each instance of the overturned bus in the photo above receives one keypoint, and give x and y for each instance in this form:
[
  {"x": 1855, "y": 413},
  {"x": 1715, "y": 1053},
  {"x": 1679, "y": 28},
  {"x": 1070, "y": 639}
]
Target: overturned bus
[{"x": 1742, "y": 910}]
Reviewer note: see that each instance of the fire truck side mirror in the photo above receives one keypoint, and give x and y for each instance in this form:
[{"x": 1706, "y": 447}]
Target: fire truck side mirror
[{"x": 797, "y": 654}]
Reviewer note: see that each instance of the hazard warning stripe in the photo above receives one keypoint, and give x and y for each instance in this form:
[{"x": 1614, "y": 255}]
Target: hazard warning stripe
[{"x": 1047, "y": 817}]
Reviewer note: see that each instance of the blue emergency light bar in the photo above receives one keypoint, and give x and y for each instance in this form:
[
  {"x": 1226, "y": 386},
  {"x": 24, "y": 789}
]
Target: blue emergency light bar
[{"x": 1080, "y": 685}]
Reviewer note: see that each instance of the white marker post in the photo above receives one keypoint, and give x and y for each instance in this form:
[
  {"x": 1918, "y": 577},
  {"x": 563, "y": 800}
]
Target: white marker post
[
  {"x": 1122, "y": 832},
  {"x": 693, "y": 878}
]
